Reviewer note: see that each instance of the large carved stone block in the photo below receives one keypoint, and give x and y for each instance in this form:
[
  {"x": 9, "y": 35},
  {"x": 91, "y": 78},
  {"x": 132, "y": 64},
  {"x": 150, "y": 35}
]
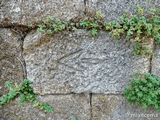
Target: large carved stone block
[{"x": 77, "y": 62}]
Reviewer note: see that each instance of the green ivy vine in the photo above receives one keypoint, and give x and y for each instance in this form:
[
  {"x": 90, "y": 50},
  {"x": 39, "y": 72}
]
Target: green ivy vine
[
  {"x": 26, "y": 94},
  {"x": 135, "y": 27},
  {"x": 144, "y": 90}
]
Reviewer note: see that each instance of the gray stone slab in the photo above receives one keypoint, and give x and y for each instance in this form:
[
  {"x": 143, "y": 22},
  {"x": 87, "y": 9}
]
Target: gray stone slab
[
  {"x": 115, "y": 107},
  {"x": 26, "y": 11},
  {"x": 156, "y": 61},
  {"x": 11, "y": 61},
  {"x": 113, "y": 9},
  {"x": 64, "y": 108},
  {"x": 76, "y": 62}
]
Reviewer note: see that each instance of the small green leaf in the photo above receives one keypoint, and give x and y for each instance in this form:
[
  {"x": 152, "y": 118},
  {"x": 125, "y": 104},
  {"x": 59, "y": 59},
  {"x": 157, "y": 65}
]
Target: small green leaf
[
  {"x": 73, "y": 118},
  {"x": 8, "y": 84},
  {"x": 144, "y": 105},
  {"x": 74, "y": 29},
  {"x": 49, "y": 31},
  {"x": 30, "y": 25},
  {"x": 94, "y": 31}
]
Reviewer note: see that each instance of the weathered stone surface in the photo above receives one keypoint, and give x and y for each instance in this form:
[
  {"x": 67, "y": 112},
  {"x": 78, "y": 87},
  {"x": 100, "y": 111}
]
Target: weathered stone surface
[
  {"x": 156, "y": 61},
  {"x": 65, "y": 107},
  {"x": 113, "y": 9},
  {"x": 10, "y": 58},
  {"x": 76, "y": 62},
  {"x": 26, "y": 11},
  {"x": 71, "y": 62},
  {"x": 115, "y": 107}
]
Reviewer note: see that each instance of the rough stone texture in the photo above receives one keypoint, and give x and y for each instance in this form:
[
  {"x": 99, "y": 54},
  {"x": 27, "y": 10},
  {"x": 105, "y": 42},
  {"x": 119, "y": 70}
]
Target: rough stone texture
[
  {"x": 115, "y": 107},
  {"x": 66, "y": 63},
  {"x": 25, "y": 11},
  {"x": 112, "y": 9},
  {"x": 10, "y": 58},
  {"x": 65, "y": 107},
  {"x": 156, "y": 61},
  {"x": 76, "y": 62}
]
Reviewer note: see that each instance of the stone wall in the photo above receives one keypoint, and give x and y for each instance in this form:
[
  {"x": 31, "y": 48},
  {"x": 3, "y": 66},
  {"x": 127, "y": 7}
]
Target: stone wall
[{"x": 79, "y": 75}]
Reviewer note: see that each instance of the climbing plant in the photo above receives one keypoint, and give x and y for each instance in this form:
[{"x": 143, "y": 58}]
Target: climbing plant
[
  {"x": 26, "y": 94},
  {"x": 144, "y": 90},
  {"x": 135, "y": 26}
]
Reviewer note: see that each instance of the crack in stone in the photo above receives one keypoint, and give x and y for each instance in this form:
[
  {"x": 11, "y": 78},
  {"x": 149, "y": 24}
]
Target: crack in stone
[
  {"x": 150, "y": 60},
  {"x": 150, "y": 64},
  {"x": 91, "y": 105},
  {"x": 24, "y": 68},
  {"x": 47, "y": 94},
  {"x": 24, "y": 62},
  {"x": 22, "y": 34},
  {"x": 85, "y": 6}
]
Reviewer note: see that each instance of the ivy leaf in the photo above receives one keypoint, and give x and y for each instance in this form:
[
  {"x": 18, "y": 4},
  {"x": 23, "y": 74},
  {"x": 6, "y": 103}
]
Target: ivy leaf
[
  {"x": 140, "y": 94},
  {"x": 144, "y": 105},
  {"x": 49, "y": 31},
  {"x": 94, "y": 31},
  {"x": 149, "y": 85},
  {"x": 47, "y": 107},
  {"x": 8, "y": 84},
  {"x": 156, "y": 106}
]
